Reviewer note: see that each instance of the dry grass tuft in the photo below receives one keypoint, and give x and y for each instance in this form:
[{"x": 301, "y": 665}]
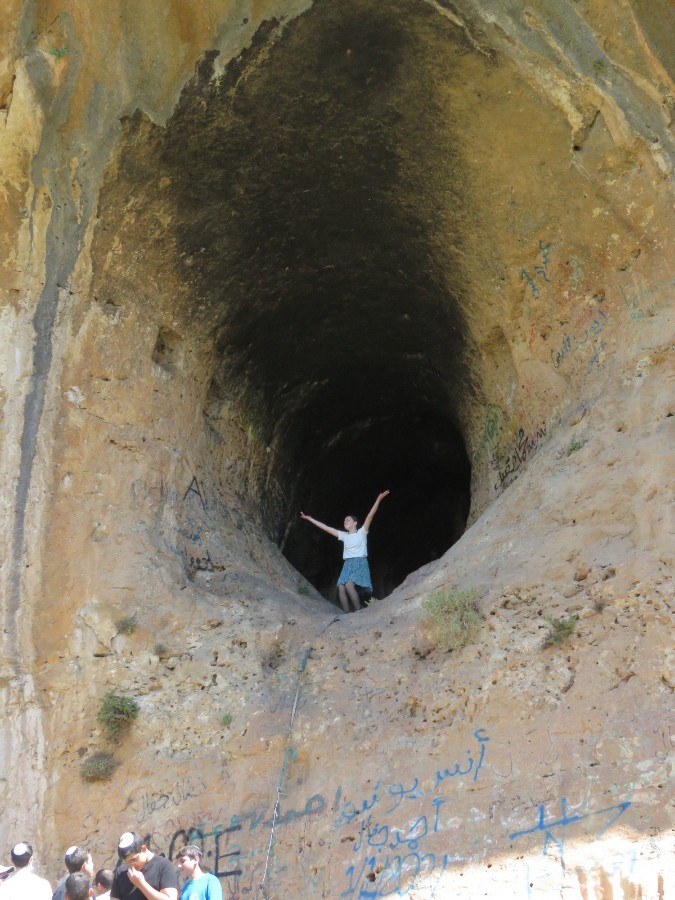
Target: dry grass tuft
[
  {"x": 453, "y": 617},
  {"x": 560, "y": 630},
  {"x": 116, "y": 714},
  {"x": 98, "y": 767}
]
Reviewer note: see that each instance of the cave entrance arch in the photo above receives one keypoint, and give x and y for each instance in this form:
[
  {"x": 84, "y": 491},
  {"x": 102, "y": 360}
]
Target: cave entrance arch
[{"x": 319, "y": 207}]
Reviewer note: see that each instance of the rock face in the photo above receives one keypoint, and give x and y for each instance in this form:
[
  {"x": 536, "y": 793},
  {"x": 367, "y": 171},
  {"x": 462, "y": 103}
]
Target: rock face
[{"x": 279, "y": 258}]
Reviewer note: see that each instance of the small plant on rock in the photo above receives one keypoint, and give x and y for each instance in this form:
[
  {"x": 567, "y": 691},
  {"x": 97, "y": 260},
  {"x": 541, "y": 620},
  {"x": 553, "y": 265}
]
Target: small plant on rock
[
  {"x": 560, "y": 630},
  {"x": 573, "y": 447},
  {"x": 127, "y": 625},
  {"x": 453, "y": 616},
  {"x": 116, "y": 714},
  {"x": 98, "y": 767},
  {"x": 227, "y": 719}
]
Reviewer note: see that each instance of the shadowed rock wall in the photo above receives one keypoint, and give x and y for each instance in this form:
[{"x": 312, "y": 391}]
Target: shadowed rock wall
[{"x": 258, "y": 263}]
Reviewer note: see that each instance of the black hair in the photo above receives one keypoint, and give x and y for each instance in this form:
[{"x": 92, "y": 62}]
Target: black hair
[
  {"x": 75, "y": 858},
  {"x": 104, "y": 877},
  {"x": 78, "y": 886},
  {"x": 21, "y": 854}
]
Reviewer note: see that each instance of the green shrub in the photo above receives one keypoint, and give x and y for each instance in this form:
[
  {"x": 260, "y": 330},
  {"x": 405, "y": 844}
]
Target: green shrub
[
  {"x": 162, "y": 651},
  {"x": 227, "y": 719},
  {"x": 98, "y": 767},
  {"x": 453, "y": 617},
  {"x": 560, "y": 630},
  {"x": 127, "y": 625},
  {"x": 573, "y": 447},
  {"x": 116, "y": 714}
]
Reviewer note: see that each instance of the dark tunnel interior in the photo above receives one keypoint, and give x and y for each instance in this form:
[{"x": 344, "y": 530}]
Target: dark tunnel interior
[
  {"x": 420, "y": 459},
  {"x": 321, "y": 204}
]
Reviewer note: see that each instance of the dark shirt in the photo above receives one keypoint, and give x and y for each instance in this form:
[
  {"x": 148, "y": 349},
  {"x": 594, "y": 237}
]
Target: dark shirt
[
  {"x": 60, "y": 892},
  {"x": 158, "y": 872}
]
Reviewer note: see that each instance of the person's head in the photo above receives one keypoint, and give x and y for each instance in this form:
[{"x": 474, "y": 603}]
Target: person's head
[
  {"x": 22, "y": 853},
  {"x": 78, "y": 859},
  {"x": 132, "y": 850},
  {"x": 351, "y": 524},
  {"x": 103, "y": 880},
  {"x": 188, "y": 861},
  {"x": 78, "y": 886}
]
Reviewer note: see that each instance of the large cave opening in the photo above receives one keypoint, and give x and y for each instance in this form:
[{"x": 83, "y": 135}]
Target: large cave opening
[{"x": 318, "y": 211}]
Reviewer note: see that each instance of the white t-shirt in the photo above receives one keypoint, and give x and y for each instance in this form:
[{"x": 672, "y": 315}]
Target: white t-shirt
[
  {"x": 25, "y": 885},
  {"x": 356, "y": 544}
]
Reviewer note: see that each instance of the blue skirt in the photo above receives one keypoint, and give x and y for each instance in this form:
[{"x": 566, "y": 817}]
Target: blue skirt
[{"x": 357, "y": 570}]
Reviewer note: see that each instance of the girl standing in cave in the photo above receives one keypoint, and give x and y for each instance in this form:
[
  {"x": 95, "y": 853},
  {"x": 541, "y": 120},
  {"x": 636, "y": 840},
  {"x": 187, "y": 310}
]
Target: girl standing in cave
[{"x": 355, "y": 570}]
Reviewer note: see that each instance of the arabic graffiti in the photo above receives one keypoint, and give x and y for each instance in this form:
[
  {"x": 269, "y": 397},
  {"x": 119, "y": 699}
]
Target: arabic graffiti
[
  {"x": 525, "y": 445},
  {"x": 380, "y": 836},
  {"x": 609, "y": 815},
  {"x": 491, "y": 428},
  {"x": 316, "y": 804},
  {"x": 183, "y": 790},
  {"x": 472, "y": 764},
  {"x": 247, "y": 884},
  {"x": 394, "y": 856},
  {"x": 348, "y": 811},
  {"x": 397, "y": 875},
  {"x": 313, "y": 806},
  {"x": 571, "y": 343},
  {"x": 541, "y": 270},
  {"x": 640, "y": 303}
]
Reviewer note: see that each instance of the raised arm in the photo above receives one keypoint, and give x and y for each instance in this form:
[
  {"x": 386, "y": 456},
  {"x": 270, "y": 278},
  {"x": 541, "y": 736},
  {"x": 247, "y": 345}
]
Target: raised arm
[
  {"x": 369, "y": 517},
  {"x": 137, "y": 878},
  {"x": 320, "y": 525}
]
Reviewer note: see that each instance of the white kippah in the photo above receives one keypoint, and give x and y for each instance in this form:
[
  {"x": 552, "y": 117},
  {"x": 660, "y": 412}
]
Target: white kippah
[
  {"x": 71, "y": 849},
  {"x": 126, "y": 840},
  {"x": 20, "y": 849}
]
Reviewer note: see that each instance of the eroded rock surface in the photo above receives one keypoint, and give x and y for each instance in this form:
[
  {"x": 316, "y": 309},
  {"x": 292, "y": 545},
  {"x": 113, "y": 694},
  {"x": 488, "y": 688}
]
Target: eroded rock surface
[{"x": 280, "y": 258}]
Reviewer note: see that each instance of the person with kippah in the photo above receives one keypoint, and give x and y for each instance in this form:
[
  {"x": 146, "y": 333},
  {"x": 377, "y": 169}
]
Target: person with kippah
[
  {"x": 77, "y": 859},
  {"x": 141, "y": 873},
  {"x": 24, "y": 884},
  {"x": 355, "y": 570},
  {"x": 199, "y": 885}
]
